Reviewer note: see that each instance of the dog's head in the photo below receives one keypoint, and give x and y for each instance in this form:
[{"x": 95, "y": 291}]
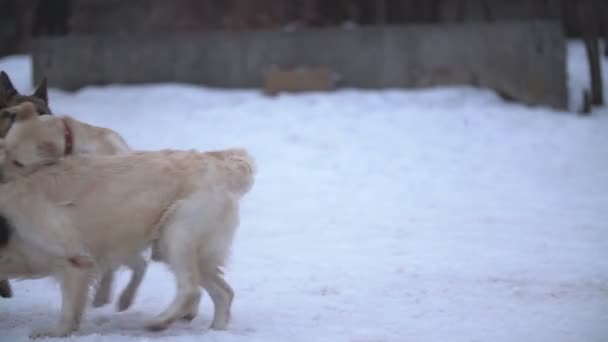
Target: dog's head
[
  {"x": 10, "y": 97},
  {"x": 32, "y": 142}
]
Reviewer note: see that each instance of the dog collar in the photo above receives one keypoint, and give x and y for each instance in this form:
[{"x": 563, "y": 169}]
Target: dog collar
[{"x": 69, "y": 138}]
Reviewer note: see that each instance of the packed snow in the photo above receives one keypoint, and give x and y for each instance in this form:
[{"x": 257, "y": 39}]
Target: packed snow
[{"x": 443, "y": 214}]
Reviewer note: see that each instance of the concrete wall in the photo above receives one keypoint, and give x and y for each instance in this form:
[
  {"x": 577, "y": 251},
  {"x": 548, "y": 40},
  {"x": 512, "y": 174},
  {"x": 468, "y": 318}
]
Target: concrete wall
[{"x": 521, "y": 60}]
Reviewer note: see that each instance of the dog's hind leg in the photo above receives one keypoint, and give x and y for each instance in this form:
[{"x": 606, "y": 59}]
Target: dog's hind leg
[
  {"x": 219, "y": 279},
  {"x": 138, "y": 265},
  {"x": 182, "y": 258},
  {"x": 221, "y": 283},
  {"x": 104, "y": 290},
  {"x": 221, "y": 294},
  {"x": 74, "y": 290},
  {"x": 5, "y": 289}
]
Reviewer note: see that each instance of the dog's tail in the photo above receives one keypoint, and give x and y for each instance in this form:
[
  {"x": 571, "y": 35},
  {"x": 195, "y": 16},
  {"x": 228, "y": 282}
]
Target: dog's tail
[{"x": 240, "y": 167}]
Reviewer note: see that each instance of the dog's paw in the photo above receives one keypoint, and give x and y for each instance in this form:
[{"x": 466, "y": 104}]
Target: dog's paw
[
  {"x": 44, "y": 333},
  {"x": 219, "y": 324},
  {"x": 157, "y": 325},
  {"x": 102, "y": 297},
  {"x": 190, "y": 314},
  {"x": 124, "y": 302},
  {"x": 189, "y": 317},
  {"x": 220, "y": 320},
  {"x": 100, "y": 301}
]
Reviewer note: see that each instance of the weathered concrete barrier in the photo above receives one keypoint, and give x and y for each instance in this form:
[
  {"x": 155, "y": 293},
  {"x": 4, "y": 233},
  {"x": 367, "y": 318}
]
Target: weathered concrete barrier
[{"x": 522, "y": 60}]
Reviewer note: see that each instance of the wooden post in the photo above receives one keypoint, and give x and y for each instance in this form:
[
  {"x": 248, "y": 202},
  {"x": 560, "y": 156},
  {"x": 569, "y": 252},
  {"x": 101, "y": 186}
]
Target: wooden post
[
  {"x": 486, "y": 11},
  {"x": 604, "y": 10},
  {"x": 586, "y": 106},
  {"x": 589, "y": 18},
  {"x": 460, "y": 10},
  {"x": 380, "y": 12}
]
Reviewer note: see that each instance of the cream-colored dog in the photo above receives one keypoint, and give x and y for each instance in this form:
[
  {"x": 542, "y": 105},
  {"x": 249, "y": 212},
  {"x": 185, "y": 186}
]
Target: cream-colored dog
[
  {"x": 40, "y": 140},
  {"x": 84, "y": 215}
]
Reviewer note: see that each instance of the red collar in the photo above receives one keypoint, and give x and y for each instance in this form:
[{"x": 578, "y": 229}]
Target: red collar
[{"x": 69, "y": 138}]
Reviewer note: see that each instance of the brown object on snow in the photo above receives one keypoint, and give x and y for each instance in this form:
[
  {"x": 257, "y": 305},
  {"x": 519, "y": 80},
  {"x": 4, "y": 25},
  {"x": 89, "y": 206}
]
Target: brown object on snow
[{"x": 298, "y": 80}]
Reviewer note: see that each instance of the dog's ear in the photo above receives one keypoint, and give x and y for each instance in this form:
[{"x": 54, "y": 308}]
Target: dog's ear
[
  {"x": 8, "y": 89},
  {"x": 48, "y": 150},
  {"x": 41, "y": 91}
]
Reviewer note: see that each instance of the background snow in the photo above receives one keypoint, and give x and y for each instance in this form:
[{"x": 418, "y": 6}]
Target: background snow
[{"x": 443, "y": 214}]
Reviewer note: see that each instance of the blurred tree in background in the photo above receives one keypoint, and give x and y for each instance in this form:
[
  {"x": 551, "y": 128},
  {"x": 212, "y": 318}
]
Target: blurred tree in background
[{"x": 22, "y": 19}]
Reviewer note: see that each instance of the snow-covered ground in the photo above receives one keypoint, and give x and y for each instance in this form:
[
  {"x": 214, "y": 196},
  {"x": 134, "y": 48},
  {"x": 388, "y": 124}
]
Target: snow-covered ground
[{"x": 444, "y": 214}]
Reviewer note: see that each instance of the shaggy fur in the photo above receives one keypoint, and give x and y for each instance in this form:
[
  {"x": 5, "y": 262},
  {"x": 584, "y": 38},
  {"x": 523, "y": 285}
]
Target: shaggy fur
[
  {"x": 61, "y": 228},
  {"x": 39, "y": 140},
  {"x": 43, "y": 138},
  {"x": 9, "y": 96}
]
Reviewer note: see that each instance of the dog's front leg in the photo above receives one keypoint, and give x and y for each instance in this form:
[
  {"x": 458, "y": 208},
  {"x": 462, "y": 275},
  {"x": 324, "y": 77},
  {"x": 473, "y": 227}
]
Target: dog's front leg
[
  {"x": 74, "y": 291},
  {"x": 104, "y": 291}
]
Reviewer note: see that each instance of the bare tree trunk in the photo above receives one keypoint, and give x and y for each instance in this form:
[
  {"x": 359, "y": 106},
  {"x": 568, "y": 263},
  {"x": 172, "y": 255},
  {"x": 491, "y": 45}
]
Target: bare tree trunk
[
  {"x": 277, "y": 13},
  {"x": 435, "y": 14},
  {"x": 381, "y": 12},
  {"x": 353, "y": 11},
  {"x": 590, "y": 26},
  {"x": 460, "y": 10},
  {"x": 586, "y": 106},
  {"x": 311, "y": 12},
  {"x": 486, "y": 11},
  {"x": 606, "y": 40},
  {"x": 540, "y": 9},
  {"x": 605, "y": 27}
]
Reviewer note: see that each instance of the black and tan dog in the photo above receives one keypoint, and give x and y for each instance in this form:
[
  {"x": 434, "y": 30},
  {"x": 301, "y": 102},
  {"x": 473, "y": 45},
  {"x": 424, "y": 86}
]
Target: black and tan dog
[{"x": 9, "y": 97}]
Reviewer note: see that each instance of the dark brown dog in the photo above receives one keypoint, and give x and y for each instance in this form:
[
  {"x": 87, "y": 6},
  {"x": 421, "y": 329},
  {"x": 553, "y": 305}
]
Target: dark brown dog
[{"x": 9, "y": 96}]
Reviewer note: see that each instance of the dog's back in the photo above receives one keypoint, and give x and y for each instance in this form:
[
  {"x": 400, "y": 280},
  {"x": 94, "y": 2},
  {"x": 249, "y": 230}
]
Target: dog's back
[
  {"x": 141, "y": 184},
  {"x": 44, "y": 139}
]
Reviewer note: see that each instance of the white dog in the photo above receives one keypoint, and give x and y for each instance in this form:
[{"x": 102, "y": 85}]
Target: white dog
[
  {"x": 88, "y": 214},
  {"x": 42, "y": 140}
]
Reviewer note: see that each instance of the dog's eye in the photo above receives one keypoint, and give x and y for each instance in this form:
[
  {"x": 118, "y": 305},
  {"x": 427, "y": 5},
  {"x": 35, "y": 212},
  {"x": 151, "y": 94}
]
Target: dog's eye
[{"x": 17, "y": 163}]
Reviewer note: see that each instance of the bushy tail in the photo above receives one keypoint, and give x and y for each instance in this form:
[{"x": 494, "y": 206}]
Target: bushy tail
[{"x": 240, "y": 169}]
